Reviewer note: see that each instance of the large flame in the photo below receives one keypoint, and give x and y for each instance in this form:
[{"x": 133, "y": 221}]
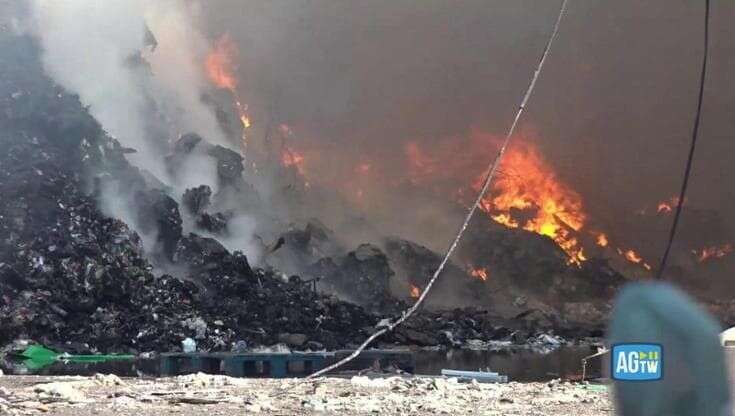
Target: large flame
[{"x": 527, "y": 194}]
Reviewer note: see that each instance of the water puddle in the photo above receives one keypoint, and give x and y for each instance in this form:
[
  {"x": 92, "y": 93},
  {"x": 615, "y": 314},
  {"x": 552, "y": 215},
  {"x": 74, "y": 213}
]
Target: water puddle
[{"x": 518, "y": 365}]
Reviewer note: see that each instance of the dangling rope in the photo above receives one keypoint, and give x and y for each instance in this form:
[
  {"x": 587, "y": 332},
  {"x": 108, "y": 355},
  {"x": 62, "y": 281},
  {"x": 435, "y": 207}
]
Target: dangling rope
[
  {"x": 490, "y": 172},
  {"x": 695, "y": 135}
]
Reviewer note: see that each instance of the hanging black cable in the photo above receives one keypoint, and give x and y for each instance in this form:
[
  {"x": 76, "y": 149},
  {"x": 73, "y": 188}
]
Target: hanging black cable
[
  {"x": 490, "y": 173},
  {"x": 695, "y": 133}
]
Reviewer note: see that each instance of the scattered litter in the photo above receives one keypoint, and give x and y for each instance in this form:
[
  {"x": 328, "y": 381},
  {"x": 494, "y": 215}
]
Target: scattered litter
[
  {"x": 65, "y": 391},
  {"x": 188, "y": 345},
  {"x": 479, "y": 376}
]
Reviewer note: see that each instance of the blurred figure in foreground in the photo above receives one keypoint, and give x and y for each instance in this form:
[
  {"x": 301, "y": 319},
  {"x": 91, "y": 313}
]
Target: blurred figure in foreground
[{"x": 666, "y": 356}]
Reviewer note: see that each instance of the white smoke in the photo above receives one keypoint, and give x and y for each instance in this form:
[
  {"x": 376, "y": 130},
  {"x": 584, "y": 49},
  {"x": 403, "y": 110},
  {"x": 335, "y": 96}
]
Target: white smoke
[
  {"x": 177, "y": 66},
  {"x": 85, "y": 47},
  {"x": 142, "y": 95},
  {"x": 88, "y": 46}
]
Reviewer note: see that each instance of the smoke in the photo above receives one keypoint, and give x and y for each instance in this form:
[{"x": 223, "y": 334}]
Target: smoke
[
  {"x": 86, "y": 45},
  {"x": 177, "y": 66},
  {"x": 138, "y": 66},
  {"x": 366, "y": 77},
  {"x": 94, "y": 49},
  {"x": 357, "y": 81}
]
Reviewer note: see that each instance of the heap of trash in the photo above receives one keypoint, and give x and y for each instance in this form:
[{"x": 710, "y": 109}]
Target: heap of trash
[{"x": 78, "y": 279}]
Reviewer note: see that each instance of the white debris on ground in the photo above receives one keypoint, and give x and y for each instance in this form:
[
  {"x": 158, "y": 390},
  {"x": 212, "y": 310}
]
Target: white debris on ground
[{"x": 220, "y": 395}]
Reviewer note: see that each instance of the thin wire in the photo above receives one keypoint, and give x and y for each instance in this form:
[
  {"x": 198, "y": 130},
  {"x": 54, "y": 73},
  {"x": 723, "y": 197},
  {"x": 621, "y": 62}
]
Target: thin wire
[
  {"x": 490, "y": 172},
  {"x": 690, "y": 158}
]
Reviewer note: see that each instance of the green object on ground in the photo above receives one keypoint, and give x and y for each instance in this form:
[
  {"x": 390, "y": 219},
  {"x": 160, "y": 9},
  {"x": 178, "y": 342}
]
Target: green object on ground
[{"x": 37, "y": 356}]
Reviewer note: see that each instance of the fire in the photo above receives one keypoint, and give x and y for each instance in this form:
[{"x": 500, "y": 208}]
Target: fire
[
  {"x": 479, "y": 273},
  {"x": 663, "y": 207},
  {"x": 633, "y": 257},
  {"x": 221, "y": 66},
  {"x": 415, "y": 292},
  {"x": 667, "y": 206},
  {"x": 290, "y": 157},
  {"x": 220, "y": 63},
  {"x": 527, "y": 184},
  {"x": 602, "y": 240},
  {"x": 242, "y": 110},
  {"x": 526, "y": 193},
  {"x": 712, "y": 252}
]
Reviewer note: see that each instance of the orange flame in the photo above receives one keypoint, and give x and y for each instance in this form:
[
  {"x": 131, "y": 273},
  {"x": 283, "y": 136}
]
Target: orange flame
[
  {"x": 289, "y": 157},
  {"x": 667, "y": 206},
  {"x": 242, "y": 111},
  {"x": 712, "y": 252},
  {"x": 602, "y": 240},
  {"x": 415, "y": 292},
  {"x": 479, "y": 273},
  {"x": 220, "y": 67},
  {"x": 526, "y": 194},
  {"x": 530, "y": 185},
  {"x": 633, "y": 257},
  {"x": 220, "y": 63}
]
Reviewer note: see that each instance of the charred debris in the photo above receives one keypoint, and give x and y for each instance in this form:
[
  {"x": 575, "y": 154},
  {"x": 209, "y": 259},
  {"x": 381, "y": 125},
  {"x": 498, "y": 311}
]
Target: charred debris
[{"x": 78, "y": 280}]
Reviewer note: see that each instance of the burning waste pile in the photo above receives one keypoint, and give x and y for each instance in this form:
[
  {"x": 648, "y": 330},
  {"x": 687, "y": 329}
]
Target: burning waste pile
[
  {"x": 77, "y": 279},
  {"x": 175, "y": 223},
  {"x": 71, "y": 273}
]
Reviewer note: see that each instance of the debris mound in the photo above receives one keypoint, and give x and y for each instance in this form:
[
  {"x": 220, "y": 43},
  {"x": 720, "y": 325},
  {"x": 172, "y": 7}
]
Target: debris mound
[{"x": 70, "y": 272}]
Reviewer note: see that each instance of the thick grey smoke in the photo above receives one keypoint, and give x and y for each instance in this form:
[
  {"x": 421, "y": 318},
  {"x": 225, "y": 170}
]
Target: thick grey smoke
[
  {"x": 86, "y": 45},
  {"x": 357, "y": 80},
  {"x": 145, "y": 90},
  {"x": 616, "y": 98},
  {"x": 90, "y": 48}
]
